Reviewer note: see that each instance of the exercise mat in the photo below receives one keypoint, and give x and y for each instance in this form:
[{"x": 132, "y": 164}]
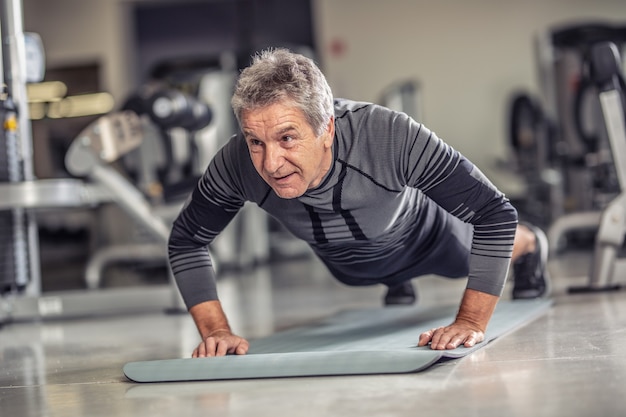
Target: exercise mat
[{"x": 354, "y": 342}]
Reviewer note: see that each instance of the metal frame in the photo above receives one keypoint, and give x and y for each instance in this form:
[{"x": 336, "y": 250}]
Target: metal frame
[
  {"x": 13, "y": 76},
  {"x": 611, "y": 222},
  {"x": 102, "y": 142}
]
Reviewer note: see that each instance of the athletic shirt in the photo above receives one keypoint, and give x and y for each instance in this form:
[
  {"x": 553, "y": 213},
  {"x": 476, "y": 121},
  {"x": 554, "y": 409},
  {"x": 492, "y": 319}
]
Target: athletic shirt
[{"x": 370, "y": 218}]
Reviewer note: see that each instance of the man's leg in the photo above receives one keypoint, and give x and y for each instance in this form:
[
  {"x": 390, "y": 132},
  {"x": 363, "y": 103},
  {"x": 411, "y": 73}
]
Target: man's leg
[
  {"x": 529, "y": 259},
  {"x": 447, "y": 255},
  {"x": 401, "y": 294},
  {"x": 525, "y": 242}
]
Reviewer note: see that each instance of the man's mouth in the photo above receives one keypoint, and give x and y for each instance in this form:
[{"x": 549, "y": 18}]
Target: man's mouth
[{"x": 283, "y": 178}]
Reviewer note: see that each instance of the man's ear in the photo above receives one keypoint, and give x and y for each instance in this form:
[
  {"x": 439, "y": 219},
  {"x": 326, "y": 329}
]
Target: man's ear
[{"x": 330, "y": 132}]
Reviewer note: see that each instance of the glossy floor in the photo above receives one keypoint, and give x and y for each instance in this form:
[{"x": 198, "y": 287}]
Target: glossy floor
[{"x": 570, "y": 362}]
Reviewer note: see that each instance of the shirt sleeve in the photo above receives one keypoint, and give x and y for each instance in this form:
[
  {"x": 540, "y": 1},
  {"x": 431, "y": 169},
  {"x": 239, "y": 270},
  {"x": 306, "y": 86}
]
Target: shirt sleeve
[
  {"x": 459, "y": 187},
  {"x": 213, "y": 203}
]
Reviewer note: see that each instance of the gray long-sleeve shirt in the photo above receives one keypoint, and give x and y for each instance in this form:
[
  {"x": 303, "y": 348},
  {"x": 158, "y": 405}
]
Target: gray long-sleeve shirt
[{"x": 368, "y": 219}]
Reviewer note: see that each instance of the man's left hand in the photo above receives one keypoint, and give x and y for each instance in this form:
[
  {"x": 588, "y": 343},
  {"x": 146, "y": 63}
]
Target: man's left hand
[{"x": 451, "y": 337}]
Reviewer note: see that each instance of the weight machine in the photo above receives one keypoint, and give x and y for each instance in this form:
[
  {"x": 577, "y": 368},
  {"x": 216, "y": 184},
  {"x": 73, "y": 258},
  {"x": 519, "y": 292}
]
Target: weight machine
[
  {"x": 604, "y": 82},
  {"x": 606, "y": 74},
  {"x": 90, "y": 155},
  {"x": 22, "y": 195},
  {"x": 571, "y": 143},
  {"x": 158, "y": 110}
]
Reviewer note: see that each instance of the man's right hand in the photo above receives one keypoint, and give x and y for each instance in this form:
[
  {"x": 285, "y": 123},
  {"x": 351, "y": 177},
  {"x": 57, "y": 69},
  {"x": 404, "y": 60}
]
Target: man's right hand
[
  {"x": 217, "y": 338},
  {"x": 221, "y": 343}
]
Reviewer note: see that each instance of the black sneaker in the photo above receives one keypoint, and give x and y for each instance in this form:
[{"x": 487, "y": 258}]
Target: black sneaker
[
  {"x": 529, "y": 271},
  {"x": 401, "y": 294}
]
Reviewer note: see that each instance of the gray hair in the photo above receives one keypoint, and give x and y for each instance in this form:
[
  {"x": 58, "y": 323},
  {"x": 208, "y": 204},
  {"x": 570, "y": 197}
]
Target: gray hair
[{"x": 279, "y": 74}]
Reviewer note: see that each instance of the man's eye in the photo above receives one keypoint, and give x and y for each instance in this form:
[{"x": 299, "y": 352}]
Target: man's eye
[
  {"x": 287, "y": 138},
  {"x": 255, "y": 142}
]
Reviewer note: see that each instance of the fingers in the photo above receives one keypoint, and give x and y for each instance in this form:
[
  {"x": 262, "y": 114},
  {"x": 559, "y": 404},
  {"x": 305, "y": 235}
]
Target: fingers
[
  {"x": 221, "y": 346},
  {"x": 450, "y": 337},
  {"x": 243, "y": 347},
  {"x": 427, "y": 337}
]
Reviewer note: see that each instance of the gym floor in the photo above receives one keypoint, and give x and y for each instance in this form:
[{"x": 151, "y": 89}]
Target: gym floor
[{"x": 569, "y": 362}]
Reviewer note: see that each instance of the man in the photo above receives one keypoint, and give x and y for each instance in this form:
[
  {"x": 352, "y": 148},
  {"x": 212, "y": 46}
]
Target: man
[{"x": 378, "y": 197}]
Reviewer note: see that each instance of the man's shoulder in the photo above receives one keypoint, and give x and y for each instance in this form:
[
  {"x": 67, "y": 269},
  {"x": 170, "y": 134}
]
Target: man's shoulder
[
  {"x": 367, "y": 118},
  {"x": 236, "y": 149},
  {"x": 351, "y": 108},
  {"x": 359, "y": 115},
  {"x": 232, "y": 165}
]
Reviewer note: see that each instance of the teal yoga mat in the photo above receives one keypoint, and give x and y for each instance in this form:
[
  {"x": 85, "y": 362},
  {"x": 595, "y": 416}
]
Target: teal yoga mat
[{"x": 356, "y": 342}]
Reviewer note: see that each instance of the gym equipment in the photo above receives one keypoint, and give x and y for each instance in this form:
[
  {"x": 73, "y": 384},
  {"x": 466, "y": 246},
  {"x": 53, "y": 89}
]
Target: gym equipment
[
  {"x": 180, "y": 144},
  {"x": 357, "y": 342},
  {"x": 530, "y": 133},
  {"x": 576, "y": 135},
  {"x": 152, "y": 203},
  {"x": 90, "y": 155},
  {"x": 558, "y": 138},
  {"x": 22, "y": 196},
  {"x": 172, "y": 108},
  {"x": 173, "y": 122},
  {"x": 103, "y": 142},
  {"x": 606, "y": 75},
  {"x": 19, "y": 256}
]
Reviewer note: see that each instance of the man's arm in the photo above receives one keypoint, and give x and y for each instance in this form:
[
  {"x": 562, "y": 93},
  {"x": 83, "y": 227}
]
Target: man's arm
[
  {"x": 217, "y": 338},
  {"x": 212, "y": 205},
  {"x": 469, "y": 326}
]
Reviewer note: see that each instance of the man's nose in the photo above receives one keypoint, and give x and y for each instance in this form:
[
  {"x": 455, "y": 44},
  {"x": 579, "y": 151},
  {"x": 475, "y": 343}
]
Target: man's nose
[{"x": 274, "y": 158}]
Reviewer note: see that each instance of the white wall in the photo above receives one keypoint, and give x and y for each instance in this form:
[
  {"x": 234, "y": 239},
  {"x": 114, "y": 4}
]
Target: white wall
[
  {"x": 85, "y": 31},
  {"x": 469, "y": 56}
]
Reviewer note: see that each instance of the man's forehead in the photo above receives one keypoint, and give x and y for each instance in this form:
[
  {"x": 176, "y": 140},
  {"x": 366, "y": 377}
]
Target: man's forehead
[{"x": 274, "y": 117}]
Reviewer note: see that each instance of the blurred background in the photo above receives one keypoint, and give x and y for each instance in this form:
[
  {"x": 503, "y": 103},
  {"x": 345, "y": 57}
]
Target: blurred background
[
  {"x": 467, "y": 56},
  {"x": 501, "y": 81}
]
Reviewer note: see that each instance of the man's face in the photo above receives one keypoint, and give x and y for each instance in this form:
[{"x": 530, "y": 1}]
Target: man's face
[{"x": 285, "y": 150}]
